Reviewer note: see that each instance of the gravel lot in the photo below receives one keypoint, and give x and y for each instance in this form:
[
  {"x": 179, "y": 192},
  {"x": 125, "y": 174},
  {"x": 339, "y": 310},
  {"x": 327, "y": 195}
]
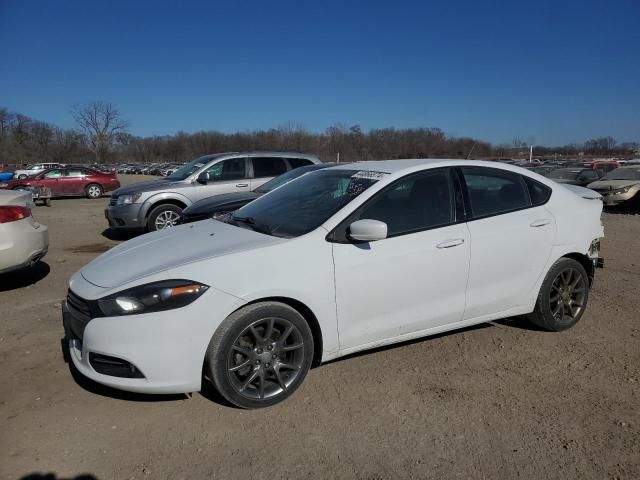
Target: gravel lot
[{"x": 497, "y": 401}]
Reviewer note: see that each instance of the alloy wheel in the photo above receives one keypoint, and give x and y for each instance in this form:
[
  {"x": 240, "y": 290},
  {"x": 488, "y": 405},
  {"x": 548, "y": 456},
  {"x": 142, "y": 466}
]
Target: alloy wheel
[
  {"x": 167, "y": 219},
  {"x": 266, "y": 358},
  {"x": 94, "y": 191},
  {"x": 567, "y": 295}
]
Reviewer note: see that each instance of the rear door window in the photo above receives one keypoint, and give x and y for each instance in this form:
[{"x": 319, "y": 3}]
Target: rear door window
[
  {"x": 268, "y": 166},
  {"x": 492, "y": 191},
  {"x": 299, "y": 162}
]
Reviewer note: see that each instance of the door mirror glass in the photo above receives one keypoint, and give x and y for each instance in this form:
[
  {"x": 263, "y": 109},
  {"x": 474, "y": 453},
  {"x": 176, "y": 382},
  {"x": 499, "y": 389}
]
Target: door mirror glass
[
  {"x": 368, "y": 230},
  {"x": 203, "y": 178}
]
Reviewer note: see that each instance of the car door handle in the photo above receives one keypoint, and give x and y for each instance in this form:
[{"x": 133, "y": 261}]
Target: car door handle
[
  {"x": 540, "y": 223},
  {"x": 242, "y": 184},
  {"x": 454, "y": 242}
]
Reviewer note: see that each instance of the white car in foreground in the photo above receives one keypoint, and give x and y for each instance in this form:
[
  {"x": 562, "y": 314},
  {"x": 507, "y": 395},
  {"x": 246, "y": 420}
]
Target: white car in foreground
[
  {"x": 340, "y": 260},
  {"x": 23, "y": 241}
]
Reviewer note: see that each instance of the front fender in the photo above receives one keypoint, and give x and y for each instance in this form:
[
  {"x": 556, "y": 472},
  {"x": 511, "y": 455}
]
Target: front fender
[{"x": 161, "y": 197}]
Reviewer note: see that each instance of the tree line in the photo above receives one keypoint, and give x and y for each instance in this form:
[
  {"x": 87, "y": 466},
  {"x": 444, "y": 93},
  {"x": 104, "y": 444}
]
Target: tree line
[{"x": 101, "y": 136}]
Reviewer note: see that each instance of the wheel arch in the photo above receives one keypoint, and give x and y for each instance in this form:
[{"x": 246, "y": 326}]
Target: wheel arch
[
  {"x": 164, "y": 201},
  {"x": 585, "y": 261},
  {"x": 308, "y": 315}
]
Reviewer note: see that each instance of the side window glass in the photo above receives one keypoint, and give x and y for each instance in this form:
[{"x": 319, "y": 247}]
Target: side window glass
[
  {"x": 232, "y": 169},
  {"x": 538, "y": 192},
  {"x": 53, "y": 174},
  {"x": 419, "y": 202},
  {"x": 299, "y": 162},
  {"x": 493, "y": 191},
  {"x": 75, "y": 172},
  {"x": 268, "y": 166}
]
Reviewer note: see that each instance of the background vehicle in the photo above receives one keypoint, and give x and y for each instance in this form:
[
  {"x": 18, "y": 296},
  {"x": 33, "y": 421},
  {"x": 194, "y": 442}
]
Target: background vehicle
[
  {"x": 158, "y": 204},
  {"x": 23, "y": 241},
  {"x": 574, "y": 176},
  {"x": 68, "y": 182},
  {"x": 35, "y": 169},
  {"x": 6, "y": 176},
  {"x": 338, "y": 261},
  {"x": 620, "y": 186},
  {"x": 220, "y": 206},
  {"x": 603, "y": 166}
]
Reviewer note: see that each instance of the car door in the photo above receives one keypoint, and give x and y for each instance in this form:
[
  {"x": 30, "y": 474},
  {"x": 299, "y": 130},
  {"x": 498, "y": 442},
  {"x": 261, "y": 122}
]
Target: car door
[
  {"x": 265, "y": 168},
  {"x": 512, "y": 233},
  {"x": 51, "y": 180},
  {"x": 413, "y": 280},
  {"x": 72, "y": 181},
  {"x": 225, "y": 176}
]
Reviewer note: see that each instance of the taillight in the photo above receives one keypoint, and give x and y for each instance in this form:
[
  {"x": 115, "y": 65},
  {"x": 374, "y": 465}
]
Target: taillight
[{"x": 13, "y": 213}]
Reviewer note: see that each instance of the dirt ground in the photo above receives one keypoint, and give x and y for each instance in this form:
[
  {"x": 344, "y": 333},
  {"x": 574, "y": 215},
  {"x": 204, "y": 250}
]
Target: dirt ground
[{"x": 497, "y": 401}]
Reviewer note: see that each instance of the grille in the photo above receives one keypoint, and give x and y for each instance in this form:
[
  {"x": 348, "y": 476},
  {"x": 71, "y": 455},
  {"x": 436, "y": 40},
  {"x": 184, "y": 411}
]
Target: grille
[
  {"x": 113, "y": 200},
  {"x": 78, "y": 307}
]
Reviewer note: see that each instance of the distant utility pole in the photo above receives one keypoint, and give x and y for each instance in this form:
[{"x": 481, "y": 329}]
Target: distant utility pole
[
  {"x": 338, "y": 157},
  {"x": 530, "y": 153}
]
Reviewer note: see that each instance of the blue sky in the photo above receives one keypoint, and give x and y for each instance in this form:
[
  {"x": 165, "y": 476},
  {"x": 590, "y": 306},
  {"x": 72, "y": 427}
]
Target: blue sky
[{"x": 550, "y": 72}]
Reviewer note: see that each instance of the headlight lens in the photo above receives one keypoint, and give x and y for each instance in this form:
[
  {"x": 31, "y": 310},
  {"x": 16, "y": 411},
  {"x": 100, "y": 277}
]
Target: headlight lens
[
  {"x": 128, "y": 199},
  {"x": 153, "y": 297},
  {"x": 621, "y": 190},
  {"x": 222, "y": 216}
]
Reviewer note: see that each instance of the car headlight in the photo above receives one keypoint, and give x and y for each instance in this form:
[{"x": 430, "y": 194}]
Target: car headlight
[
  {"x": 4, "y": 185},
  {"x": 621, "y": 190},
  {"x": 128, "y": 199},
  {"x": 152, "y": 297},
  {"x": 222, "y": 216}
]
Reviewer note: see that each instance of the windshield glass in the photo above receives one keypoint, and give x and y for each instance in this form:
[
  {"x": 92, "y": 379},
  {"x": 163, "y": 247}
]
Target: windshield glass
[
  {"x": 282, "y": 179},
  {"x": 564, "y": 174},
  {"x": 302, "y": 206},
  {"x": 623, "y": 174},
  {"x": 190, "y": 168}
]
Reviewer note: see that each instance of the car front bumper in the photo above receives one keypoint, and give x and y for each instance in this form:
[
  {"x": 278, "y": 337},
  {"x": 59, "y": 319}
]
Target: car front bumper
[
  {"x": 22, "y": 243},
  {"x": 125, "y": 216},
  {"x": 166, "y": 348},
  {"x": 610, "y": 200}
]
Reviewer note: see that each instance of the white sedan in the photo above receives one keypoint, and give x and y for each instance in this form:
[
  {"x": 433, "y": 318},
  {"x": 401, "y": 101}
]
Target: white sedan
[
  {"x": 23, "y": 241},
  {"x": 340, "y": 260}
]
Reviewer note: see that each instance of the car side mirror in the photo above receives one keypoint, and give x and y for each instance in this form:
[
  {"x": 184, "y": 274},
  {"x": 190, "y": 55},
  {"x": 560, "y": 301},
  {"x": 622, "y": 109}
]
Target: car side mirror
[
  {"x": 367, "y": 230},
  {"x": 203, "y": 178}
]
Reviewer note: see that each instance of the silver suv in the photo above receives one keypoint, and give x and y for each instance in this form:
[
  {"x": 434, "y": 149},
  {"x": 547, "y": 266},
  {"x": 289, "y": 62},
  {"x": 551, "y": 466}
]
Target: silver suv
[{"x": 158, "y": 204}]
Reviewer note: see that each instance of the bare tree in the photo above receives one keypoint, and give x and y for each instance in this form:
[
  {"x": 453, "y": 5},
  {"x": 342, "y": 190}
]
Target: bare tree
[{"x": 102, "y": 124}]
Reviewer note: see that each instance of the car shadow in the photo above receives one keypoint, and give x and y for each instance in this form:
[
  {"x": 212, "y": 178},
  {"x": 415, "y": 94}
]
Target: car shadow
[
  {"x": 53, "y": 476},
  {"x": 120, "y": 235},
  {"x": 24, "y": 278}
]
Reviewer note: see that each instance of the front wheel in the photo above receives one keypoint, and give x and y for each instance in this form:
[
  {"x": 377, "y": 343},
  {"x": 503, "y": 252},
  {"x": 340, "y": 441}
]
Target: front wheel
[
  {"x": 164, "y": 216},
  {"x": 563, "y": 296},
  {"x": 22, "y": 176},
  {"x": 93, "y": 191},
  {"x": 260, "y": 355}
]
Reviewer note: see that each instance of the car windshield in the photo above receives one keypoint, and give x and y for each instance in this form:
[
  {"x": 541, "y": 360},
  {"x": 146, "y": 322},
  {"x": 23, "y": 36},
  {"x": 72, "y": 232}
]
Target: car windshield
[
  {"x": 564, "y": 174},
  {"x": 282, "y": 179},
  {"x": 302, "y": 206},
  {"x": 623, "y": 174},
  {"x": 189, "y": 169}
]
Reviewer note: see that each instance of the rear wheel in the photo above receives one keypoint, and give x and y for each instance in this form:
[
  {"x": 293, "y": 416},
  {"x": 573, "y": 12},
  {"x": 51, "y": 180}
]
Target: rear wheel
[
  {"x": 260, "y": 355},
  {"x": 164, "y": 216},
  {"x": 22, "y": 176},
  {"x": 563, "y": 296},
  {"x": 93, "y": 191}
]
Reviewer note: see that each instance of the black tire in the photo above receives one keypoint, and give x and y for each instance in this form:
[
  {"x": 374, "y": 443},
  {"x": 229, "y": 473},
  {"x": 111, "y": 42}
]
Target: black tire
[
  {"x": 22, "y": 177},
  {"x": 154, "y": 221},
  {"x": 278, "y": 364},
  {"x": 563, "y": 296},
  {"x": 93, "y": 191}
]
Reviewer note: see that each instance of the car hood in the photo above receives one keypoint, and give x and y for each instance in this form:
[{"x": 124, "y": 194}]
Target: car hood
[
  {"x": 165, "y": 249},
  {"x": 565, "y": 181},
  {"x": 612, "y": 184},
  {"x": 221, "y": 202},
  {"x": 153, "y": 185}
]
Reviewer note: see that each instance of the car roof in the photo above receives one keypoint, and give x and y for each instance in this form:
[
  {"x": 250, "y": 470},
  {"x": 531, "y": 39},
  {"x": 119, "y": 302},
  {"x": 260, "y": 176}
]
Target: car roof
[{"x": 409, "y": 165}]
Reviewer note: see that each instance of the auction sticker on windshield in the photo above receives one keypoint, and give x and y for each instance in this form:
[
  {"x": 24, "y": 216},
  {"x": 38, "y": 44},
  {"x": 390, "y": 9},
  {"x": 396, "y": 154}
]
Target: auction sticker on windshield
[{"x": 369, "y": 174}]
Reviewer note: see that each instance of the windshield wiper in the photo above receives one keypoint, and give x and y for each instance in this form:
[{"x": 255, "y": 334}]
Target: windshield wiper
[{"x": 251, "y": 222}]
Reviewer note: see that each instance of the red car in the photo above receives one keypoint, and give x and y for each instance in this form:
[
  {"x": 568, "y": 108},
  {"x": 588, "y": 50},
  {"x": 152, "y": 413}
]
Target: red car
[
  {"x": 68, "y": 182},
  {"x": 604, "y": 166}
]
